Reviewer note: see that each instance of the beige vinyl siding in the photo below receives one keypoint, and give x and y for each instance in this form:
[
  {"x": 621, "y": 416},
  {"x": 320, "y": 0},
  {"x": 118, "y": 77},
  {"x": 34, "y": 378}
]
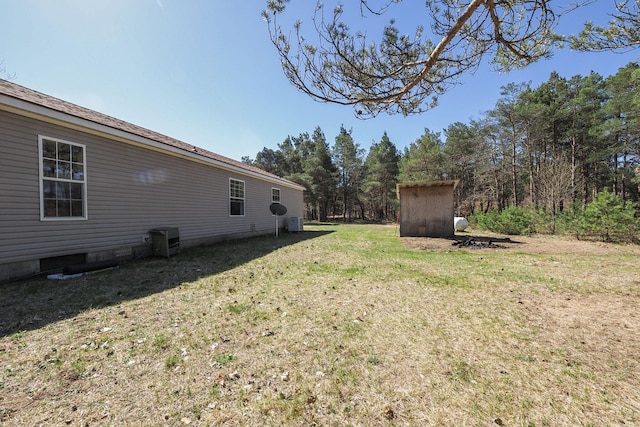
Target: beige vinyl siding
[
  {"x": 18, "y": 181},
  {"x": 258, "y": 199},
  {"x": 130, "y": 190}
]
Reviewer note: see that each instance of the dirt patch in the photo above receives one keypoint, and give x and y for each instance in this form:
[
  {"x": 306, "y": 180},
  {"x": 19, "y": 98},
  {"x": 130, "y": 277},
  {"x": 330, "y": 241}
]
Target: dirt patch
[
  {"x": 591, "y": 326},
  {"x": 529, "y": 244},
  {"x": 596, "y": 334},
  {"x": 596, "y": 322}
]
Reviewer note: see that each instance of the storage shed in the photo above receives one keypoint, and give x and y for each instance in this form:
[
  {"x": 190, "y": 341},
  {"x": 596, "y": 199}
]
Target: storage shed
[{"x": 426, "y": 208}]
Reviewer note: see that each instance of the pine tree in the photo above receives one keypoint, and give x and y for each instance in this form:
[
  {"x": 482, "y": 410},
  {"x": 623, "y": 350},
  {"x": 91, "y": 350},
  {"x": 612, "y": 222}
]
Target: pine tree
[
  {"x": 322, "y": 174},
  {"x": 381, "y": 166},
  {"x": 467, "y": 158},
  {"x": 621, "y": 129},
  {"x": 347, "y": 156},
  {"x": 423, "y": 160}
]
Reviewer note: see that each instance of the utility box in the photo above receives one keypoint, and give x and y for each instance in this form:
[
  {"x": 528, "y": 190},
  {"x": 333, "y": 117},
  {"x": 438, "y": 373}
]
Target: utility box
[
  {"x": 295, "y": 224},
  {"x": 166, "y": 241}
]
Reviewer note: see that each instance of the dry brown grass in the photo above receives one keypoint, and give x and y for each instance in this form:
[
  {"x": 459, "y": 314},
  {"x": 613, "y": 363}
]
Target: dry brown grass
[{"x": 340, "y": 325}]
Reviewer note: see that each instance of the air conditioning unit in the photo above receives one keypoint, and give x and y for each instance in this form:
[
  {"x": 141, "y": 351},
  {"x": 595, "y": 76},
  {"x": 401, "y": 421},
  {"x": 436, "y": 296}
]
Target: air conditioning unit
[
  {"x": 295, "y": 224},
  {"x": 166, "y": 241}
]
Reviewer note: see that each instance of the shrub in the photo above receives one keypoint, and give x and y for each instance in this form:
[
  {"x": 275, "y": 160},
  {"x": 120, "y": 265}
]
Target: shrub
[
  {"x": 609, "y": 217},
  {"x": 568, "y": 221},
  {"x": 513, "y": 220}
]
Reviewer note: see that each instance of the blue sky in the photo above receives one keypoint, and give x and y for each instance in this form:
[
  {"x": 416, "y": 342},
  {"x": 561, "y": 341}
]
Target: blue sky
[{"x": 205, "y": 72}]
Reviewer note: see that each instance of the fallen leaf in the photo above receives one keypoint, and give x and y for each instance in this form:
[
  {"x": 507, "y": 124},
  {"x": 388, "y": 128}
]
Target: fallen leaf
[{"x": 388, "y": 413}]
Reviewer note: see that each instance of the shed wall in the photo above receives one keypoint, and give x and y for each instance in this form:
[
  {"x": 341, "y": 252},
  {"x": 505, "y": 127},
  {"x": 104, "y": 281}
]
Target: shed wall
[
  {"x": 426, "y": 211},
  {"x": 130, "y": 190}
]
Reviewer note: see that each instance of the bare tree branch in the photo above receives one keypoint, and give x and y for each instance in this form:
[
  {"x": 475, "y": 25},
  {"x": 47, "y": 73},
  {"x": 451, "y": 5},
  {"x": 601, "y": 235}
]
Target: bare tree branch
[
  {"x": 4, "y": 75},
  {"x": 405, "y": 74},
  {"x": 623, "y": 32}
]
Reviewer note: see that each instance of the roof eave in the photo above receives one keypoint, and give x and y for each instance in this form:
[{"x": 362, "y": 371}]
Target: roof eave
[
  {"x": 40, "y": 112},
  {"x": 439, "y": 183}
]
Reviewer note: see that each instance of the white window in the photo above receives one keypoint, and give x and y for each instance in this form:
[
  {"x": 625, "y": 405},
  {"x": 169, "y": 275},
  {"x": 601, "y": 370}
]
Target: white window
[
  {"x": 63, "y": 179},
  {"x": 236, "y": 197},
  {"x": 275, "y": 195}
]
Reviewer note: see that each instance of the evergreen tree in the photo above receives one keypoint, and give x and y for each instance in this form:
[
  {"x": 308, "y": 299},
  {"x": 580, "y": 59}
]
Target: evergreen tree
[
  {"x": 347, "y": 156},
  {"x": 621, "y": 129},
  {"x": 247, "y": 160},
  {"x": 423, "y": 160},
  {"x": 270, "y": 161},
  {"x": 292, "y": 154},
  {"x": 381, "y": 166},
  {"x": 592, "y": 157},
  {"x": 467, "y": 160},
  {"x": 322, "y": 174},
  {"x": 509, "y": 120},
  {"x": 609, "y": 217},
  {"x": 555, "y": 172}
]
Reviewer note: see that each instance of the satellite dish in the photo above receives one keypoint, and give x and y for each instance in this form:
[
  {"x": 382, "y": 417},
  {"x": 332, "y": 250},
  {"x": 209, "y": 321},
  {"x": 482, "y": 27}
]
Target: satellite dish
[{"x": 278, "y": 209}]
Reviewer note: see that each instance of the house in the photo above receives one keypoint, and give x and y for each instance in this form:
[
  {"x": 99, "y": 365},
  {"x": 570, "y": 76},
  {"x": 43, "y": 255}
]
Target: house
[
  {"x": 78, "y": 186},
  {"x": 426, "y": 208}
]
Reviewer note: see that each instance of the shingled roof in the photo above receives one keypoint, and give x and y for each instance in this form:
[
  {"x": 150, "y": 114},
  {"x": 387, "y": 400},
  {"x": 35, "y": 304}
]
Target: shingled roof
[{"x": 22, "y": 93}]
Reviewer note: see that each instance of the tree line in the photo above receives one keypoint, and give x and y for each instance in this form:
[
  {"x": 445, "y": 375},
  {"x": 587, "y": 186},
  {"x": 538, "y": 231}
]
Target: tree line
[{"x": 550, "y": 147}]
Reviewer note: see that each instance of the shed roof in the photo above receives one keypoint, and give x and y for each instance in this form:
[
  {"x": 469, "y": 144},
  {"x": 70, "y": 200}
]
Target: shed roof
[
  {"x": 22, "y": 100},
  {"x": 439, "y": 183}
]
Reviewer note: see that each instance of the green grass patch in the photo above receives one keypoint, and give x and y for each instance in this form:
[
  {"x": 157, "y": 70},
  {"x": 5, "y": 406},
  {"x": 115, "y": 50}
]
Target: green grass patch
[
  {"x": 338, "y": 325},
  {"x": 224, "y": 359},
  {"x": 238, "y": 308}
]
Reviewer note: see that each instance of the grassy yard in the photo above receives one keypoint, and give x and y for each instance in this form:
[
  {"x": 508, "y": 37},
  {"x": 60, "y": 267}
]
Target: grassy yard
[{"x": 340, "y": 325}]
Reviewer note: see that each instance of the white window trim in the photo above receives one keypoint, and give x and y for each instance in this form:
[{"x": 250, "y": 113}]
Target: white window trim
[
  {"x": 85, "y": 212},
  {"x": 274, "y": 201},
  {"x": 244, "y": 198},
  {"x": 279, "y": 195}
]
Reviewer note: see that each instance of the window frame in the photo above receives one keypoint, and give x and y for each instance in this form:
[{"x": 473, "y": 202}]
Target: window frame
[
  {"x": 273, "y": 199},
  {"x": 42, "y": 178},
  {"x": 233, "y": 198}
]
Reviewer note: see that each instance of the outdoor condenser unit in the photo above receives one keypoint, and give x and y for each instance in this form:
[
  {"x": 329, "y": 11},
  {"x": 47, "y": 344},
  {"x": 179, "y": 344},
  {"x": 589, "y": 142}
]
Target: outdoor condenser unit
[
  {"x": 166, "y": 241},
  {"x": 295, "y": 224}
]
